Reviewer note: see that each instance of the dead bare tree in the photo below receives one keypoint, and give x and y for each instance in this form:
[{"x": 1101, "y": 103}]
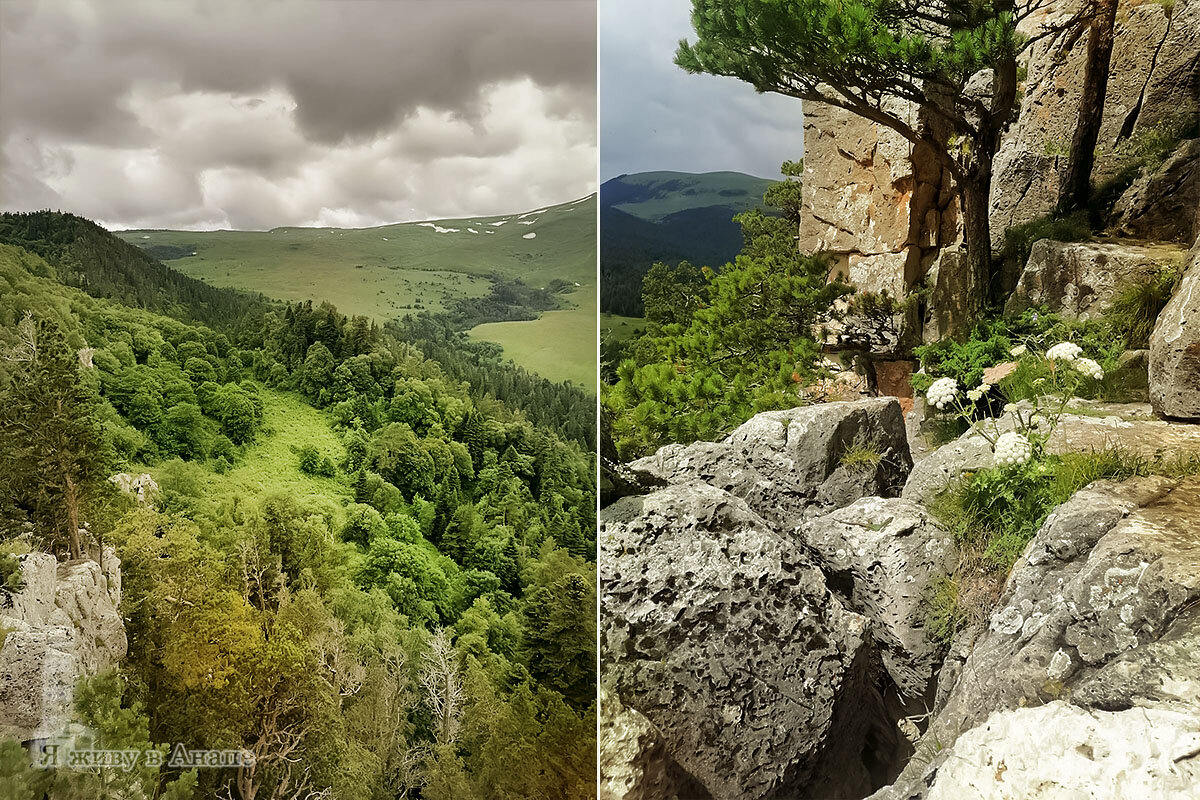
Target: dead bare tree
[{"x": 442, "y": 681}]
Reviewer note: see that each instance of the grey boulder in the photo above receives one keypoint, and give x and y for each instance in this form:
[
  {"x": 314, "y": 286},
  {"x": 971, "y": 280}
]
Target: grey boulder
[
  {"x": 886, "y": 555},
  {"x": 782, "y": 463}
]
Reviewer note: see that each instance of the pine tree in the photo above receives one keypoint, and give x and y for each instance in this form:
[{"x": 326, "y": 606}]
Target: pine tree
[
  {"x": 49, "y": 426},
  {"x": 877, "y": 59}
]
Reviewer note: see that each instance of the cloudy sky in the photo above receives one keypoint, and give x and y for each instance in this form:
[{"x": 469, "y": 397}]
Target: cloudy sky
[
  {"x": 259, "y": 113},
  {"x": 655, "y": 116}
]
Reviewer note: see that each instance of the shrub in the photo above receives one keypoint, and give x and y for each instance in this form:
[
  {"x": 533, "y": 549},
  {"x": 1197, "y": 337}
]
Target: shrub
[
  {"x": 10, "y": 574},
  {"x": 1134, "y": 311}
]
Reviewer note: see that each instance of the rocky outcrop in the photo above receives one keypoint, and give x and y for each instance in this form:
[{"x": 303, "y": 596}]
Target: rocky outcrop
[
  {"x": 1154, "y": 83},
  {"x": 1162, "y": 205},
  {"x": 1175, "y": 349},
  {"x": 871, "y": 200},
  {"x": 142, "y": 487},
  {"x": 884, "y": 555},
  {"x": 722, "y": 633},
  {"x": 62, "y": 625},
  {"x": 1059, "y": 750},
  {"x": 1080, "y": 280},
  {"x": 1130, "y": 427},
  {"x": 785, "y": 463},
  {"x": 634, "y": 764},
  {"x": 1100, "y": 611}
]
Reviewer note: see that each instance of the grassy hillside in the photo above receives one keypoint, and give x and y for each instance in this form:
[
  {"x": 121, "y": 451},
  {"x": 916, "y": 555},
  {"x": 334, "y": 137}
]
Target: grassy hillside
[
  {"x": 271, "y": 462},
  {"x": 393, "y": 270},
  {"x": 426, "y": 254},
  {"x": 668, "y": 217},
  {"x": 655, "y": 195}
]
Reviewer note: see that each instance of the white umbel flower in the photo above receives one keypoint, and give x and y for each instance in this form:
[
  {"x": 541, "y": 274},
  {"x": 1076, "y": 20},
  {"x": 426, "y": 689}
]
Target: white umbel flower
[
  {"x": 1018, "y": 351},
  {"x": 941, "y": 392},
  {"x": 1089, "y": 368},
  {"x": 1064, "y": 351},
  {"x": 978, "y": 392},
  {"x": 1013, "y": 448}
]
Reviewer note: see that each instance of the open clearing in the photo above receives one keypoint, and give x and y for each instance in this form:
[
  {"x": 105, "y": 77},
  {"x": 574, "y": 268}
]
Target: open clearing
[{"x": 559, "y": 345}]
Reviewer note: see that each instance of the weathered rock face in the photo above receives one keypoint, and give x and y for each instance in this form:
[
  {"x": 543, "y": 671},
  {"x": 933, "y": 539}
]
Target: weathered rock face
[
  {"x": 1161, "y": 205},
  {"x": 1154, "y": 82},
  {"x": 1100, "y": 610},
  {"x": 1080, "y": 280},
  {"x": 634, "y": 764},
  {"x": 62, "y": 625},
  {"x": 1175, "y": 350},
  {"x": 871, "y": 200},
  {"x": 884, "y": 555},
  {"x": 1060, "y": 751},
  {"x": 782, "y": 463},
  {"x": 722, "y": 634}
]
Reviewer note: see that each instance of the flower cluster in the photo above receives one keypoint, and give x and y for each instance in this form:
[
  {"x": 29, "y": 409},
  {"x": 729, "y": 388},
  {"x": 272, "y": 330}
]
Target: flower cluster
[
  {"x": 1012, "y": 448},
  {"x": 1089, "y": 368},
  {"x": 941, "y": 392},
  {"x": 1064, "y": 351},
  {"x": 974, "y": 395}
]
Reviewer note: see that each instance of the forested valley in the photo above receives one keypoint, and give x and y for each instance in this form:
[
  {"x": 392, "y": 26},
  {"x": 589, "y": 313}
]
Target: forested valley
[{"x": 368, "y": 555}]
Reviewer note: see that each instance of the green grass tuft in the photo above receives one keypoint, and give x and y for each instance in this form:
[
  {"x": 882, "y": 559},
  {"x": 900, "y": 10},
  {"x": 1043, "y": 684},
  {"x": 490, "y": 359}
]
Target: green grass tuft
[{"x": 1135, "y": 309}]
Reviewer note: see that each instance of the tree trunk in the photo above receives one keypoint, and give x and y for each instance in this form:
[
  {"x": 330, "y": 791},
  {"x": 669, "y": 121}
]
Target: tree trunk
[
  {"x": 71, "y": 500},
  {"x": 1076, "y": 186},
  {"x": 977, "y": 240}
]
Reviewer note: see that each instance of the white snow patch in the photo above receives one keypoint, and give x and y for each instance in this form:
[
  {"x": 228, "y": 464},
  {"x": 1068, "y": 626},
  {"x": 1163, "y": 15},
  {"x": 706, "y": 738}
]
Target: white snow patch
[
  {"x": 490, "y": 233},
  {"x": 437, "y": 228},
  {"x": 530, "y": 213},
  {"x": 530, "y": 235},
  {"x": 530, "y": 222},
  {"x": 145, "y": 237},
  {"x": 384, "y": 238},
  {"x": 472, "y": 230},
  {"x": 498, "y": 224}
]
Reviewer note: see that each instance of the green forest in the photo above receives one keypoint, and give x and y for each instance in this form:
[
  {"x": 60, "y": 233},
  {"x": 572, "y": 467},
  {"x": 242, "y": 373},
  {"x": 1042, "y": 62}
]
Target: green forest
[{"x": 370, "y": 558}]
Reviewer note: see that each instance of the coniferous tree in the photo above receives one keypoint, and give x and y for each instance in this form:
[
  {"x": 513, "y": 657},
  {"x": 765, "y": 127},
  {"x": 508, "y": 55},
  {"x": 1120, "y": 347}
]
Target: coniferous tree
[
  {"x": 50, "y": 428},
  {"x": 906, "y": 65}
]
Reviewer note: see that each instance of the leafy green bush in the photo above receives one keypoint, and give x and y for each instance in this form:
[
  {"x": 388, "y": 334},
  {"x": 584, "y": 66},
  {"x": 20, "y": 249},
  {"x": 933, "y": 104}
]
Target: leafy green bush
[
  {"x": 10, "y": 574},
  {"x": 994, "y": 341}
]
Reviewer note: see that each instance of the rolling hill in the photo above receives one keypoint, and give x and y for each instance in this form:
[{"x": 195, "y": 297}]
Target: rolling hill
[
  {"x": 671, "y": 217},
  {"x": 389, "y": 271}
]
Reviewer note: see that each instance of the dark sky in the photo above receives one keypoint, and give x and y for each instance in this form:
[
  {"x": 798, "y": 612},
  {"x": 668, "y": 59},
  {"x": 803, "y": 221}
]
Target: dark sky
[
  {"x": 259, "y": 113},
  {"x": 655, "y": 116}
]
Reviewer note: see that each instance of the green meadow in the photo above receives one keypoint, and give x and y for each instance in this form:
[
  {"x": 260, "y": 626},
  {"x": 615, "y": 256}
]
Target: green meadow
[
  {"x": 614, "y": 327},
  {"x": 559, "y": 345},
  {"x": 271, "y": 463},
  {"x": 394, "y": 270}
]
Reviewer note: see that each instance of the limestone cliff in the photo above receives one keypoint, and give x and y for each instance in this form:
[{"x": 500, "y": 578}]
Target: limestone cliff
[{"x": 63, "y": 624}]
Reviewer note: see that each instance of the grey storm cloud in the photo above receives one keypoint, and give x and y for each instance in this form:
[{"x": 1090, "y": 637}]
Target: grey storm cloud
[
  {"x": 655, "y": 116},
  {"x": 284, "y": 112}
]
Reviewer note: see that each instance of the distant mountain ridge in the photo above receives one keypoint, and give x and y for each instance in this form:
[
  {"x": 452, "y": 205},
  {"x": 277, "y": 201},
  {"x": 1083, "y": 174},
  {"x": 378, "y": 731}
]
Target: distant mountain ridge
[
  {"x": 670, "y": 217},
  {"x": 89, "y": 257}
]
